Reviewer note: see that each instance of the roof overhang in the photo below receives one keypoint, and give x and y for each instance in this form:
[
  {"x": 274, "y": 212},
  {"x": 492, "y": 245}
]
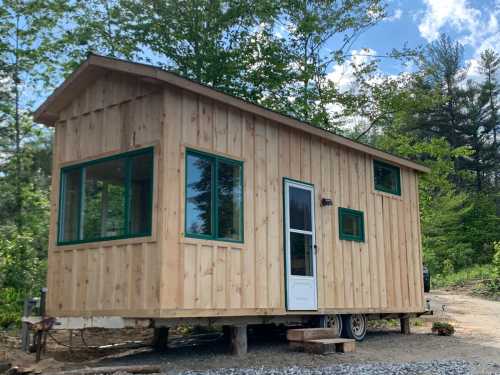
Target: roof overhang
[{"x": 96, "y": 66}]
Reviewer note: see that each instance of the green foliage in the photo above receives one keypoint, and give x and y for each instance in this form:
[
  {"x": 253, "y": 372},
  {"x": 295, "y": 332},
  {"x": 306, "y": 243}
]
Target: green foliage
[
  {"x": 462, "y": 277},
  {"x": 10, "y": 311},
  {"x": 496, "y": 260},
  {"x": 443, "y": 328}
]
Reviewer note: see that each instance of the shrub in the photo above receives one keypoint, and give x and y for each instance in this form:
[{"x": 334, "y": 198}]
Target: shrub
[
  {"x": 443, "y": 329},
  {"x": 496, "y": 260},
  {"x": 10, "y": 312}
]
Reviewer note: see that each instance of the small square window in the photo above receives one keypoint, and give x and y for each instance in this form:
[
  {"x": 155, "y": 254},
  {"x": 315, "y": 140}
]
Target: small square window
[
  {"x": 351, "y": 225},
  {"x": 387, "y": 178}
]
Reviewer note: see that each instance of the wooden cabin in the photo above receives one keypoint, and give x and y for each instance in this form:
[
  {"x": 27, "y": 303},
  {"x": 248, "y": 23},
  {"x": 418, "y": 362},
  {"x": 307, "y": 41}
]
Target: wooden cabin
[{"x": 173, "y": 200}]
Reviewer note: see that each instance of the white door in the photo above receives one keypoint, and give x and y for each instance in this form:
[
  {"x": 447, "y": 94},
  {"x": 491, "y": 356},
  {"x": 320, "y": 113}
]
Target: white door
[{"x": 300, "y": 246}]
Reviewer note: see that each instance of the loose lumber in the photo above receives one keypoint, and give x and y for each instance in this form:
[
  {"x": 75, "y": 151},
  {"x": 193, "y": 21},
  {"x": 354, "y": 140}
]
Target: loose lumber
[
  {"x": 305, "y": 334},
  {"x": 135, "y": 369}
]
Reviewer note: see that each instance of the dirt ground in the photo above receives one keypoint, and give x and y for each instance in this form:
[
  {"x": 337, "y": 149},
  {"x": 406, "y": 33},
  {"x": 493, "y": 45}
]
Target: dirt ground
[{"x": 477, "y": 340}]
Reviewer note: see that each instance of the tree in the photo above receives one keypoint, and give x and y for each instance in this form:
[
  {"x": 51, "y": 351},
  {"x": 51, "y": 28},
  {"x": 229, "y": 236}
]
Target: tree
[
  {"x": 489, "y": 66},
  {"x": 311, "y": 26},
  {"x": 27, "y": 42}
]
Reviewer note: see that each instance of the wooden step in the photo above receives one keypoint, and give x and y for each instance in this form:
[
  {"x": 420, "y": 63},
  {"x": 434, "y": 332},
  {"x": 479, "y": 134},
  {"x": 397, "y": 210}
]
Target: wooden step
[
  {"x": 305, "y": 334},
  {"x": 325, "y": 346}
]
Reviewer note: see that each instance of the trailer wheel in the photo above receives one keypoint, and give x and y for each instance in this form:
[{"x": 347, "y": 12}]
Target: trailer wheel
[
  {"x": 354, "y": 326},
  {"x": 332, "y": 321}
]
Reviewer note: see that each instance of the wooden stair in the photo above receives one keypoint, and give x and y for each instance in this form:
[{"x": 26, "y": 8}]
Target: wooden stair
[{"x": 319, "y": 341}]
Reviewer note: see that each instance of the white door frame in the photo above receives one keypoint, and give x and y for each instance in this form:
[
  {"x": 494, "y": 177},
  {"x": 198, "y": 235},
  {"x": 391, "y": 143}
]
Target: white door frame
[{"x": 301, "y": 291}]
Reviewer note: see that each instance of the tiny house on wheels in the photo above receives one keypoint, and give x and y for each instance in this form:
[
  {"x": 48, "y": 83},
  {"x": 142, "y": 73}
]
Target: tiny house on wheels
[{"x": 173, "y": 202}]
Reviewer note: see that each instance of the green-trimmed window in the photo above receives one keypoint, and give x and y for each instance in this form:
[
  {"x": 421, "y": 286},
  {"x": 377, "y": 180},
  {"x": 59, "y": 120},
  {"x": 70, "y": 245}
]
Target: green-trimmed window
[
  {"x": 214, "y": 197},
  {"x": 351, "y": 225},
  {"x": 106, "y": 199},
  {"x": 387, "y": 177}
]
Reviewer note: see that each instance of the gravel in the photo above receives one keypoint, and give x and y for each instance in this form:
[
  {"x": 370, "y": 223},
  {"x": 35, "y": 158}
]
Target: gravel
[{"x": 433, "y": 367}]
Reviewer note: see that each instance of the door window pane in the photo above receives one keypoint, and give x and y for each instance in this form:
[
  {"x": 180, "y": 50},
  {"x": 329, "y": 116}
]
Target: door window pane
[
  {"x": 141, "y": 180},
  {"x": 300, "y": 209},
  {"x": 301, "y": 256},
  {"x": 70, "y": 205},
  {"x": 104, "y": 200},
  {"x": 199, "y": 195},
  {"x": 229, "y": 200}
]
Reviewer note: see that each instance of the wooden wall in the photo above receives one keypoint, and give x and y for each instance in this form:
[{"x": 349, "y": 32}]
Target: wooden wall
[
  {"x": 114, "y": 114},
  {"x": 169, "y": 275},
  {"x": 203, "y": 277}
]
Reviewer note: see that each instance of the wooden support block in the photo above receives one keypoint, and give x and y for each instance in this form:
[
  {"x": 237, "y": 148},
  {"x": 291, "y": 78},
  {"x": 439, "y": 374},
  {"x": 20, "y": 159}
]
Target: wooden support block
[
  {"x": 306, "y": 334},
  {"x": 326, "y": 346},
  {"x": 160, "y": 339},
  {"x": 405, "y": 326},
  {"x": 239, "y": 343},
  {"x": 297, "y": 346}
]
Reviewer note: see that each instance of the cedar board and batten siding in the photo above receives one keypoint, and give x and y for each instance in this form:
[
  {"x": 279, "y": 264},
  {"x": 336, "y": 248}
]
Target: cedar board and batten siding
[{"x": 169, "y": 275}]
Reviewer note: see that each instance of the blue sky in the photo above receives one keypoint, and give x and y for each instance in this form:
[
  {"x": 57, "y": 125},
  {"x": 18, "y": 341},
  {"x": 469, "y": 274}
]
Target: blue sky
[{"x": 475, "y": 23}]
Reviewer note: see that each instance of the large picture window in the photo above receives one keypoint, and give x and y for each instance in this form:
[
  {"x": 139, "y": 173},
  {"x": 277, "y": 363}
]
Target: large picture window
[
  {"x": 105, "y": 199},
  {"x": 214, "y": 197},
  {"x": 387, "y": 177}
]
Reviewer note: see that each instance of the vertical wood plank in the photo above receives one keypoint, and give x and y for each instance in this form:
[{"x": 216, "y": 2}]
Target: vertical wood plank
[
  {"x": 206, "y": 116},
  {"x": 339, "y": 254},
  {"x": 324, "y": 248},
  {"x": 249, "y": 255},
  {"x": 172, "y": 274},
  {"x": 274, "y": 276},
  {"x": 364, "y": 251},
  {"x": 260, "y": 202}
]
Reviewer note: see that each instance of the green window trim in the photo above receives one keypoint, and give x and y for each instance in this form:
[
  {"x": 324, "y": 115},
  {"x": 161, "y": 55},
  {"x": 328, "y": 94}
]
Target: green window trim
[
  {"x": 359, "y": 215},
  {"x": 214, "y": 209},
  {"x": 393, "y": 170},
  {"x": 127, "y": 157}
]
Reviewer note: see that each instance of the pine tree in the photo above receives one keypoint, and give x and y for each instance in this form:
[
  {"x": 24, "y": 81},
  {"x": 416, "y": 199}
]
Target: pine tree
[{"x": 489, "y": 67}]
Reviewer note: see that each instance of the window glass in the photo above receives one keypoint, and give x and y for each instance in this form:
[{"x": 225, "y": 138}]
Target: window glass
[
  {"x": 141, "y": 189},
  {"x": 351, "y": 225},
  {"x": 115, "y": 202},
  {"x": 70, "y": 202},
  {"x": 104, "y": 200},
  {"x": 387, "y": 177},
  {"x": 229, "y": 200},
  {"x": 301, "y": 254},
  {"x": 214, "y": 197},
  {"x": 199, "y": 195},
  {"x": 300, "y": 209}
]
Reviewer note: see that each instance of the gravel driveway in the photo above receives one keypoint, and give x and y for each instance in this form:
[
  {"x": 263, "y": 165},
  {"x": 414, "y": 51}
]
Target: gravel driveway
[{"x": 474, "y": 349}]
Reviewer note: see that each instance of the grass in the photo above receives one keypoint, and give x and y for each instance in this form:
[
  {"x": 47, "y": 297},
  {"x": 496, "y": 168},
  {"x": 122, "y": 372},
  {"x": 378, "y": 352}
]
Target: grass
[
  {"x": 463, "y": 277},
  {"x": 480, "y": 278}
]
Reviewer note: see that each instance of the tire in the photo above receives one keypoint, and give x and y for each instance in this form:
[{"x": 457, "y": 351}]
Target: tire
[
  {"x": 332, "y": 321},
  {"x": 354, "y": 326}
]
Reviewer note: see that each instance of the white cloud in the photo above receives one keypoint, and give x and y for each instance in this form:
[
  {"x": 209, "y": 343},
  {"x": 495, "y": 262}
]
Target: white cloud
[
  {"x": 343, "y": 75},
  {"x": 478, "y": 28},
  {"x": 396, "y": 16},
  {"x": 458, "y": 14}
]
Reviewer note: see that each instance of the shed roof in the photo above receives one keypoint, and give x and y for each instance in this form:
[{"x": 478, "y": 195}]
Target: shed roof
[{"x": 95, "y": 66}]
